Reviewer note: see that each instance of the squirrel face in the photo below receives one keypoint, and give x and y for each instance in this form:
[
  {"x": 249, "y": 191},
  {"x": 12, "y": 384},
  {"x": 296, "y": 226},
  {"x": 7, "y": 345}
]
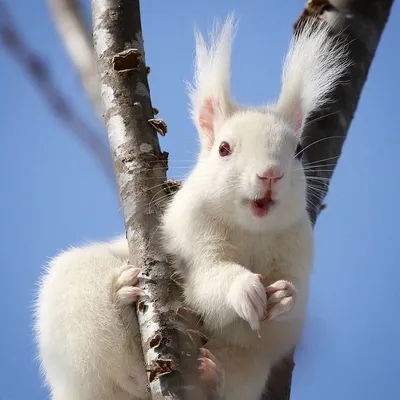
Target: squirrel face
[{"x": 255, "y": 178}]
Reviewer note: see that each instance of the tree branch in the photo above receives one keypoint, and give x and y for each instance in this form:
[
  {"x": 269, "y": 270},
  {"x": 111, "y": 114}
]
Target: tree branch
[
  {"x": 38, "y": 70},
  {"x": 77, "y": 38},
  {"x": 140, "y": 169},
  {"x": 360, "y": 23}
]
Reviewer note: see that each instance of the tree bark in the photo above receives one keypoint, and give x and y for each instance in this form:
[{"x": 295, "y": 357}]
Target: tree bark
[
  {"x": 360, "y": 23},
  {"x": 140, "y": 169}
]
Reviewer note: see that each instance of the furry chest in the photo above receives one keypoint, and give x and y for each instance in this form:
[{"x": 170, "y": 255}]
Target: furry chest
[{"x": 258, "y": 254}]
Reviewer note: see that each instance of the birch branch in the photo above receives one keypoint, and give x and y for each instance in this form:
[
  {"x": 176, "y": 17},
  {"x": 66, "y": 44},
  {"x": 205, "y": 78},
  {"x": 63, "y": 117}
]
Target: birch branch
[
  {"x": 360, "y": 23},
  {"x": 140, "y": 169},
  {"x": 77, "y": 38}
]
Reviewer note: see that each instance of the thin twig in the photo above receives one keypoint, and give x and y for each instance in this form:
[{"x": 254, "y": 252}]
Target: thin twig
[
  {"x": 39, "y": 71},
  {"x": 77, "y": 38}
]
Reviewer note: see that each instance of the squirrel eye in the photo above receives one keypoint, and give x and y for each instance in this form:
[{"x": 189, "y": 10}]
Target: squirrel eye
[
  {"x": 299, "y": 151},
  {"x": 224, "y": 149}
]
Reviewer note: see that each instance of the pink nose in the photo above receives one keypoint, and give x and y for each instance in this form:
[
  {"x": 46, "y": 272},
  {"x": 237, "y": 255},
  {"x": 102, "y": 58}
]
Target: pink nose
[{"x": 271, "y": 174}]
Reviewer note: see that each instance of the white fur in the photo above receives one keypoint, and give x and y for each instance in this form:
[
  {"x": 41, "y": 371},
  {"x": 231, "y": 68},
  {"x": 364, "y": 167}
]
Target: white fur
[
  {"x": 313, "y": 66},
  {"x": 87, "y": 341},
  {"x": 211, "y": 71},
  {"x": 86, "y": 329}
]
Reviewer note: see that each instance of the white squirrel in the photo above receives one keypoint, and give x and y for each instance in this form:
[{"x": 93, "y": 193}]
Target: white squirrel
[{"x": 238, "y": 229}]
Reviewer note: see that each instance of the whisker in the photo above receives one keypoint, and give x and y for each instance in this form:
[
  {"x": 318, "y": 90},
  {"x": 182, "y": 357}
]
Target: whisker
[
  {"x": 315, "y": 142},
  {"x": 318, "y": 165},
  {"x": 318, "y": 192},
  {"x": 318, "y": 182},
  {"x": 320, "y": 178},
  {"x": 309, "y": 200},
  {"x": 316, "y": 168},
  {"x": 180, "y": 176},
  {"x": 309, "y": 122},
  {"x": 316, "y": 195},
  {"x": 160, "y": 168},
  {"x": 155, "y": 195},
  {"x": 157, "y": 201},
  {"x": 170, "y": 161},
  {"x": 318, "y": 185},
  {"x": 321, "y": 186},
  {"x": 320, "y": 170},
  {"x": 311, "y": 186},
  {"x": 154, "y": 187},
  {"x": 321, "y": 160}
]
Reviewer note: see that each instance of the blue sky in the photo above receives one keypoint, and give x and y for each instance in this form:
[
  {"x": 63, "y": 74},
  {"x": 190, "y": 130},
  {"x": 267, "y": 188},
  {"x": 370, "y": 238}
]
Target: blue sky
[{"x": 54, "y": 194}]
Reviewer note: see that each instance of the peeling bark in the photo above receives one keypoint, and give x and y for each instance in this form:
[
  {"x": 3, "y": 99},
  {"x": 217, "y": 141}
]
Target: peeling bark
[
  {"x": 169, "y": 346},
  {"x": 360, "y": 23},
  {"x": 159, "y": 125}
]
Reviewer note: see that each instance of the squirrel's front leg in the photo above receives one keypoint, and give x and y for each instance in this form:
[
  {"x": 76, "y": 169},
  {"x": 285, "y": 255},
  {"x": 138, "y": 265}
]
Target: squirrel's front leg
[{"x": 221, "y": 292}]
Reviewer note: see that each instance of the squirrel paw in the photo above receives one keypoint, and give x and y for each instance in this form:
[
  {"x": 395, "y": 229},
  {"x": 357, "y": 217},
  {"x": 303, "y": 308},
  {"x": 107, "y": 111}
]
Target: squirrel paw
[
  {"x": 248, "y": 298},
  {"x": 126, "y": 291},
  {"x": 212, "y": 373},
  {"x": 280, "y": 301}
]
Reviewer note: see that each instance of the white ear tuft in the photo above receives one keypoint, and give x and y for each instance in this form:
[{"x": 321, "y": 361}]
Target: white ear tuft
[
  {"x": 210, "y": 92},
  {"x": 314, "y": 65}
]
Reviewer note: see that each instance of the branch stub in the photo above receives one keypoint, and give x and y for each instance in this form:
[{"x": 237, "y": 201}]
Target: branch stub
[
  {"x": 127, "y": 60},
  {"x": 159, "y": 125}
]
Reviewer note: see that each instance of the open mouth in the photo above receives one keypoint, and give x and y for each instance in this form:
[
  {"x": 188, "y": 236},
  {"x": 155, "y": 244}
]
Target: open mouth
[{"x": 261, "y": 206}]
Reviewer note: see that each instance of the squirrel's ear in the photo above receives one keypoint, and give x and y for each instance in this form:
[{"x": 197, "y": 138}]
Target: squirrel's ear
[
  {"x": 210, "y": 92},
  {"x": 314, "y": 65}
]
